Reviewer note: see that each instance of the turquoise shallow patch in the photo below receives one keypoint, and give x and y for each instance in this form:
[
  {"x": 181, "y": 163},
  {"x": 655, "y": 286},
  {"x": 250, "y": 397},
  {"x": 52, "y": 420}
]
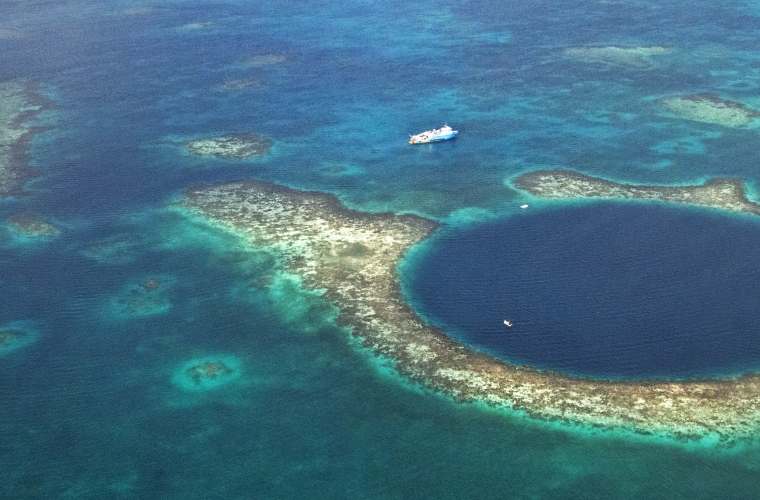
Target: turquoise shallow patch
[
  {"x": 15, "y": 335},
  {"x": 207, "y": 373},
  {"x": 144, "y": 297}
]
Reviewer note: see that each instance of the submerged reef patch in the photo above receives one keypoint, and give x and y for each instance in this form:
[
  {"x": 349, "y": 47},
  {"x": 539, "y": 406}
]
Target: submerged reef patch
[
  {"x": 353, "y": 257},
  {"x": 239, "y": 145},
  {"x": 339, "y": 170},
  {"x": 261, "y": 60},
  {"x": 728, "y": 194},
  {"x": 19, "y": 104},
  {"x": 711, "y": 108},
  {"x": 635, "y": 57},
  {"x": 241, "y": 84},
  {"x": 16, "y": 335},
  {"x": 334, "y": 169},
  {"x": 206, "y": 373},
  {"x": 120, "y": 249},
  {"x": 30, "y": 225},
  {"x": 146, "y": 297}
]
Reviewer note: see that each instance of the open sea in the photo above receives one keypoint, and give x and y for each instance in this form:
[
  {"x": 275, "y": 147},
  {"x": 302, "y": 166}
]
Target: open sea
[{"x": 91, "y": 406}]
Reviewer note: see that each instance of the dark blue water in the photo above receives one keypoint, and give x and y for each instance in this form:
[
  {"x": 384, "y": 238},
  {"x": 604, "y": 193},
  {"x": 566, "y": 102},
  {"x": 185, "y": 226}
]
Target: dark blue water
[{"x": 606, "y": 290}]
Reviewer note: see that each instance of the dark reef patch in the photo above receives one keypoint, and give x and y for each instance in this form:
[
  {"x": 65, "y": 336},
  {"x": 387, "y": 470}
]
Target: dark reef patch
[
  {"x": 20, "y": 103},
  {"x": 206, "y": 373},
  {"x": 31, "y": 225}
]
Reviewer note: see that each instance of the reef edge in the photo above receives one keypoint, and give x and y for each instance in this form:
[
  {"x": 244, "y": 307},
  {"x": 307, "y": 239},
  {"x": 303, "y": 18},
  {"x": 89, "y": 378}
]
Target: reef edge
[{"x": 353, "y": 256}]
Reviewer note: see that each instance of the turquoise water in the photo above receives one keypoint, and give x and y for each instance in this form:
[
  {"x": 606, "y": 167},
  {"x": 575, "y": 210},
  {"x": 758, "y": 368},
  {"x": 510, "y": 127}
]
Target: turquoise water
[{"x": 91, "y": 404}]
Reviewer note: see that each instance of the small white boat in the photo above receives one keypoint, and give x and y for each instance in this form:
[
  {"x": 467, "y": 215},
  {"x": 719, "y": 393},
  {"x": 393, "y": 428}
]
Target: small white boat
[
  {"x": 506, "y": 322},
  {"x": 437, "y": 134},
  {"x": 523, "y": 206}
]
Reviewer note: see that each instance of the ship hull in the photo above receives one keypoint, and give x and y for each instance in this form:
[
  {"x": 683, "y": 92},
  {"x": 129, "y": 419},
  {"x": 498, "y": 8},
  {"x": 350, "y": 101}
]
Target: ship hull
[{"x": 428, "y": 140}]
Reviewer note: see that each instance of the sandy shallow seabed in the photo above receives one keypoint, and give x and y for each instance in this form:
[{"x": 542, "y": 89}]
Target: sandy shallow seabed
[{"x": 353, "y": 257}]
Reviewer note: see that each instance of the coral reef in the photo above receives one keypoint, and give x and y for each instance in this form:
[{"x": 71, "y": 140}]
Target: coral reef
[
  {"x": 353, "y": 257},
  {"x": 710, "y": 108},
  {"x": 727, "y": 194},
  {"x": 144, "y": 298},
  {"x": 31, "y": 225},
  {"x": 208, "y": 370},
  {"x": 19, "y": 103},
  {"x": 237, "y": 145},
  {"x": 207, "y": 373}
]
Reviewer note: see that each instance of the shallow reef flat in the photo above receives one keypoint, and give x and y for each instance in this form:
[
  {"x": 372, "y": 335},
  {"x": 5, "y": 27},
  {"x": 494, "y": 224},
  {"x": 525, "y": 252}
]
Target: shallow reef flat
[
  {"x": 238, "y": 145},
  {"x": 31, "y": 225},
  {"x": 728, "y": 194},
  {"x": 634, "y": 57},
  {"x": 353, "y": 256},
  {"x": 711, "y": 108},
  {"x": 19, "y": 103}
]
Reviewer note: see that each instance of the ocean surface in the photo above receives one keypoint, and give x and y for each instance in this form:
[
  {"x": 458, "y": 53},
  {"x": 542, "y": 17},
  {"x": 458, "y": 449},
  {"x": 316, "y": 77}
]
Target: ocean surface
[
  {"x": 91, "y": 405},
  {"x": 607, "y": 290}
]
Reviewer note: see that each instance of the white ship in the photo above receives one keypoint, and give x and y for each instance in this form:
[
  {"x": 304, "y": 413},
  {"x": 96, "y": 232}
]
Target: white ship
[{"x": 437, "y": 134}]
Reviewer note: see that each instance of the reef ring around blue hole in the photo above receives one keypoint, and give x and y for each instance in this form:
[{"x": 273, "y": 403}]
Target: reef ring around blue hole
[{"x": 612, "y": 290}]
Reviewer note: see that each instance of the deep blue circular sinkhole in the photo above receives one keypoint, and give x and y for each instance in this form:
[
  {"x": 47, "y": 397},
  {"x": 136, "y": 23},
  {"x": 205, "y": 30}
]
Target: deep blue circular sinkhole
[{"x": 608, "y": 290}]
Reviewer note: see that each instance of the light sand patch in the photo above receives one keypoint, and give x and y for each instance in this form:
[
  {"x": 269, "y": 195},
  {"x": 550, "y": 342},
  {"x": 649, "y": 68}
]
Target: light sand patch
[
  {"x": 9, "y": 34},
  {"x": 238, "y": 145},
  {"x": 261, "y": 60},
  {"x": 241, "y": 84},
  {"x": 198, "y": 26}
]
